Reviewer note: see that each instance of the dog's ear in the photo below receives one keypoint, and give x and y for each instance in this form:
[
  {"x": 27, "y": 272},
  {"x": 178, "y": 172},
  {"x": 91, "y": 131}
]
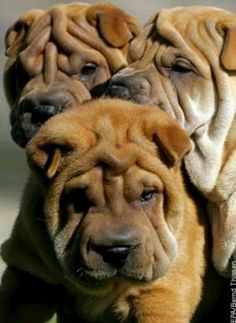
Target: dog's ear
[
  {"x": 56, "y": 141},
  {"x": 228, "y": 55},
  {"x": 16, "y": 34},
  {"x": 45, "y": 153},
  {"x": 172, "y": 141},
  {"x": 114, "y": 24}
]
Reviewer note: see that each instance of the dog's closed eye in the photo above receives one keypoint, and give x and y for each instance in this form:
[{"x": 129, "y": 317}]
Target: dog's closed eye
[{"x": 180, "y": 68}]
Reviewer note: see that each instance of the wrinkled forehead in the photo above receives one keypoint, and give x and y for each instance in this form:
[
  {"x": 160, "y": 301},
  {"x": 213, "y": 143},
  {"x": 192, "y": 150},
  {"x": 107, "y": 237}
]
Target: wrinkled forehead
[
  {"x": 57, "y": 40},
  {"x": 191, "y": 24},
  {"x": 182, "y": 31},
  {"x": 113, "y": 156},
  {"x": 181, "y": 17},
  {"x": 105, "y": 183},
  {"x": 114, "y": 149},
  {"x": 124, "y": 178}
]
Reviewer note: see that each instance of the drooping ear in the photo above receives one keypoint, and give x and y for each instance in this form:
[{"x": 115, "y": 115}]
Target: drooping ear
[
  {"x": 165, "y": 132},
  {"x": 173, "y": 142},
  {"x": 16, "y": 34},
  {"x": 116, "y": 27},
  {"x": 54, "y": 140},
  {"x": 46, "y": 154},
  {"x": 228, "y": 55},
  {"x": 57, "y": 140}
]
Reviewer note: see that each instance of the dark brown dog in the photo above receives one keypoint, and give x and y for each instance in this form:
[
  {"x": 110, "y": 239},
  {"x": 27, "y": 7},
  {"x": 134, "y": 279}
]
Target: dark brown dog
[
  {"x": 61, "y": 57},
  {"x": 107, "y": 231}
]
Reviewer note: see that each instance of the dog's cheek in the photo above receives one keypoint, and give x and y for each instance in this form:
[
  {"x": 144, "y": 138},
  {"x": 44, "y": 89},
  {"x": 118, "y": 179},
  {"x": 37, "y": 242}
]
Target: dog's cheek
[
  {"x": 66, "y": 236},
  {"x": 164, "y": 243}
]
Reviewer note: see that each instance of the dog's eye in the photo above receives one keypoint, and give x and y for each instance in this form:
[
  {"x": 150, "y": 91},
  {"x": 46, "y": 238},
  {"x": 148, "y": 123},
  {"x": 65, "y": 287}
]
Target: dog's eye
[
  {"x": 181, "y": 68},
  {"x": 147, "y": 195},
  {"x": 88, "y": 69}
]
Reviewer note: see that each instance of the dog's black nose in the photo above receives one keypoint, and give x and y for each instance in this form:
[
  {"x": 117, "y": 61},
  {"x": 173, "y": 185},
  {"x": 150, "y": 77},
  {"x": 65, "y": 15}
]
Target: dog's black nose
[
  {"x": 114, "y": 255},
  {"x": 119, "y": 91},
  {"x": 132, "y": 87},
  {"x": 42, "y": 106},
  {"x": 41, "y": 113}
]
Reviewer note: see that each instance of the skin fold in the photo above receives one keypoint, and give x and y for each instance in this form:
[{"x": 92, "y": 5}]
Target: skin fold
[
  {"x": 60, "y": 58},
  {"x": 184, "y": 62},
  {"x": 110, "y": 229}
]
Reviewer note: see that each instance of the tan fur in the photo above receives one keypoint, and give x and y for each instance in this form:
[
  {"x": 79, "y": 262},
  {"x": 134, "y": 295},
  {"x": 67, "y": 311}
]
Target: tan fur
[
  {"x": 48, "y": 51},
  {"x": 114, "y": 151},
  {"x": 184, "y": 61}
]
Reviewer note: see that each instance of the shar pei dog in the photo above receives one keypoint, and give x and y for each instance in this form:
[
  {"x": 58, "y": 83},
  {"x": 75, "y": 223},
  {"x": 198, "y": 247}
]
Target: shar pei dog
[
  {"x": 61, "y": 57},
  {"x": 184, "y": 61},
  {"x": 105, "y": 231}
]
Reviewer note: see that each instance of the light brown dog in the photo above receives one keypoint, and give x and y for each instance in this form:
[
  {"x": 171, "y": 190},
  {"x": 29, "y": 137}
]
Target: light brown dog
[
  {"x": 61, "y": 57},
  {"x": 184, "y": 61},
  {"x": 107, "y": 231}
]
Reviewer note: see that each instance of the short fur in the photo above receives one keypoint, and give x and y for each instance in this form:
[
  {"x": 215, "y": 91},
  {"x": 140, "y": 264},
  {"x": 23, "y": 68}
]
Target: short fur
[
  {"x": 184, "y": 60},
  {"x": 107, "y": 175},
  {"x": 61, "y": 57}
]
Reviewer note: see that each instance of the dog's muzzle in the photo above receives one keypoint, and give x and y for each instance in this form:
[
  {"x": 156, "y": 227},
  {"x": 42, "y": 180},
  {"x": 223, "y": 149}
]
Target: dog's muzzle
[
  {"x": 135, "y": 88},
  {"x": 33, "y": 111},
  {"x": 108, "y": 256}
]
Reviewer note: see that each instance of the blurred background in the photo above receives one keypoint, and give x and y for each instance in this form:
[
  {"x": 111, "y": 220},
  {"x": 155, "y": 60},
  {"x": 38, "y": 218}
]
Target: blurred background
[{"x": 13, "y": 169}]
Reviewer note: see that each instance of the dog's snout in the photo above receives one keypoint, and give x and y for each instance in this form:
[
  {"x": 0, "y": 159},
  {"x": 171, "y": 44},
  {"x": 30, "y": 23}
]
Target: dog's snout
[
  {"x": 43, "y": 106},
  {"x": 119, "y": 91},
  {"x": 114, "y": 255},
  {"x": 42, "y": 113},
  {"x": 129, "y": 87},
  {"x": 115, "y": 248}
]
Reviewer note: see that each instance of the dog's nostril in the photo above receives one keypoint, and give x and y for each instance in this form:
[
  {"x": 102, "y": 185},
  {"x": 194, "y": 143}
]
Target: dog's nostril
[
  {"x": 119, "y": 91},
  {"x": 114, "y": 255},
  {"x": 42, "y": 113}
]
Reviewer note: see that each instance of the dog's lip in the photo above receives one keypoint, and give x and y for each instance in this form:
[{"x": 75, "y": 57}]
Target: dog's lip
[
  {"x": 97, "y": 278},
  {"x": 85, "y": 278}
]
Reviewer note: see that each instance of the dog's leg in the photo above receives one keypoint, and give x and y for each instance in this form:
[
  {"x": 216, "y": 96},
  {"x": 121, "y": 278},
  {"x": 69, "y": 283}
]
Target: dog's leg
[
  {"x": 165, "y": 304},
  {"x": 25, "y": 299}
]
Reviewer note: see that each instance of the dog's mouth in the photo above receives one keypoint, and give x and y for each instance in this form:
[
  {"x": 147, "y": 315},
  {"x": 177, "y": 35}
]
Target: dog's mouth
[
  {"x": 95, "y": 278},
  {"x": 99, "y": 264}
]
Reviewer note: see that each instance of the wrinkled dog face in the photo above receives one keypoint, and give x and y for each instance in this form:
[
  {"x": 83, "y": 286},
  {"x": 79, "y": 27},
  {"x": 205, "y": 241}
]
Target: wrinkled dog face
[
  {"x": 184, "y": 60},
  {"x": 175, "y": 65},
  {"x": 62, "y": 57},
  {"x": 112, "y": 209},
  {"x": 115, "y": 225}
]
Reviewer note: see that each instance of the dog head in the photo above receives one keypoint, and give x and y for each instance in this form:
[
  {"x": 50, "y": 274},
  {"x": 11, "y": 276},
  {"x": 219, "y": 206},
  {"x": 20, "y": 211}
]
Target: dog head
[
  {"x": 60, "y": 58},
  {"x": 184, "y": 62},
  {"x": 114, "y": 196}
]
